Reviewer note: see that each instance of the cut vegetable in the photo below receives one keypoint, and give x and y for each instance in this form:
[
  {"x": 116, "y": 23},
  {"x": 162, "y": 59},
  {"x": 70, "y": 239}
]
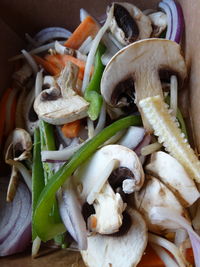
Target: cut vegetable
[
  {"x": 88, "y": 27},
  {"x": 168, "y": 132}
]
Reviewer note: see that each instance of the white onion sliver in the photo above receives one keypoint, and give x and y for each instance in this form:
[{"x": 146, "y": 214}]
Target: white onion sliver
[
  {"x": 180, "y": 237},
  {"x": 149, "y": 149},
  {"x": 160, "y": 241},
  {"x": 36, "y": 246},
  {"x": 83, "y": 14},
  {"x": 132, "y": 137},
  {"x": 167, "y": 10},
  {"x": 86, "y": 45},
  {"x": 90, "y": 126},
  {"x": 51, "y": 33},
  {"x": 23, "y": 170},
  {"x": 173, "y": 94},
  {"x": 60, "y": 49},
  {"x": 115, "y": 41},
  {"x": 30, "y": 60},
  {"x": 168, "y": 261},
  {"x": 38, "y": 83},
  {"x": 93, "y": 49},
  {"x": 102, "y": 119},
  {"x": 64, "y": 154},
  {"x": 37, "y": 50},
  {"x": 70, "y": 211},
  {"x": 161, "y": 214},
  {"x": 103, "y": 177}
]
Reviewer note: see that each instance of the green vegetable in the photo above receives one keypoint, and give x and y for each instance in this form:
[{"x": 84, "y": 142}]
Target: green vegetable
[
  {"x": 92, "y": 92},
  {"x": 37, "y": 174},
  {"x": 48, "y": 143},
  {"x": 45, "y": 225}
]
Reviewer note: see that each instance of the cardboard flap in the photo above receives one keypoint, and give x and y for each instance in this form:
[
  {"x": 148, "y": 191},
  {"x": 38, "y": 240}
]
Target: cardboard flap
[{"x": 10, "y": 46}]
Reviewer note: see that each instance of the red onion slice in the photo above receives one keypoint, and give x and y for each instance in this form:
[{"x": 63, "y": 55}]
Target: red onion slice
[
  {"x": 15, "y": 237},
  {"x": 177, "y": 20},
  {"x": 165, "y": 8},
  {"x": 8, "y": 218},
  {"x": 51, "y": 33},
  {"x": 70, "y": 212}
]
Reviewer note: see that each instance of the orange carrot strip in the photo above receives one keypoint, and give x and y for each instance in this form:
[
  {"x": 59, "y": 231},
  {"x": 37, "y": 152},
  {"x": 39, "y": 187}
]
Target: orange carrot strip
[
  {"x": 88, "y": 27},
  {"x": 150, "y": 259},
  {"x": 61, "y": 61},
  {"x": 71, "y": 129},
  {"x": 3, "y": 102},
  {"x": 190, "y": 256},
  {"x": 48, "y": 66}
]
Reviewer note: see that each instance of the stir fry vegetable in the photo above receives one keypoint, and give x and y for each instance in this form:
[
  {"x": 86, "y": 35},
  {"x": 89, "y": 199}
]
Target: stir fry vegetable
[{"x": 112, "y": 168}]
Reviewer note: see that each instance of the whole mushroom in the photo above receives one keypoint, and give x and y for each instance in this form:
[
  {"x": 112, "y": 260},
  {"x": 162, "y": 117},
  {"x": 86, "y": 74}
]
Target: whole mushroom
[{"x": 142, "y": 62}]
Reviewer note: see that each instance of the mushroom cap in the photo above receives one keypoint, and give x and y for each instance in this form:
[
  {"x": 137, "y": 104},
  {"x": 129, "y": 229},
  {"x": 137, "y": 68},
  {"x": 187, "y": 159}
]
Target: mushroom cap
[
  {"x": 89, "y": 173},
  {"x": 118, "y": 251},
  {"x": 142, "y": 62},
  {"x": 172, "y": 173},
  {"x": 142, "y": 21},
  {"x": 155, "y": 194}
]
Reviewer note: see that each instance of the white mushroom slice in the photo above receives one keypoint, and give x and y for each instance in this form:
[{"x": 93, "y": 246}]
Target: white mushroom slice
[
  {"x": 90, "y": 172},
  {"x": 172, "y": 173},
  {"x": 108, "y": 216},
  {"x": 49, "y": 81},
  {"x": 117, "y": 251},
  {"x": 60, "y": 107},
  {"x": 141, "y": 61},
  {"x": 155, "y": 194},
  {"x": 129, "y": 23},
  {"x": 159, "y": 22}
]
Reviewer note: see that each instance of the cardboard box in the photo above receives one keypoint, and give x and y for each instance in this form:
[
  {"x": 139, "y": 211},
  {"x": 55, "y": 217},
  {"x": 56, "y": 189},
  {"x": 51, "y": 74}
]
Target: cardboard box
[{"x": 18, "y": 17}]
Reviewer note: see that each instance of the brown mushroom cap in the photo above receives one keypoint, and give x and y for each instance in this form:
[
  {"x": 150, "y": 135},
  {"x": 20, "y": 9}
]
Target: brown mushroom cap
[{"x": 142, "y": 61}]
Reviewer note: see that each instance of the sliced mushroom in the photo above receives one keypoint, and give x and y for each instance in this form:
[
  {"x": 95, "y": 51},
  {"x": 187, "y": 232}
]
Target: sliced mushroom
[
  {"x": 129, "y": 23},
  {"x": 117, "y": 251},
  {"x": 155, "y": 194},
  {"x": 89, "y": 173},
  {"x": 141, "y": 61},
  {"x": 108, "y": 216},
  {"x": 18, "y": 145},
  {"x": 60, "y": 105},
  {"x": 18, "y": 148},
  {"x": 159, "y": 22},
  {"x": 92, "y": 177},
  {"x": 172, "y": 173}
]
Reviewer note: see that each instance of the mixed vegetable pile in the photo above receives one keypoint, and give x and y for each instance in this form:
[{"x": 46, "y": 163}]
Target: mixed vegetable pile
[{"x": 92, "y": 130}]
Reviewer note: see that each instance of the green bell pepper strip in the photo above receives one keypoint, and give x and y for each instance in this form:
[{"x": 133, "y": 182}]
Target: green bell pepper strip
[
  {"x": 92, "y": 92},
  {"x": 37, "y": 174},
  {"x": 45, "y": 226},
  {"x": 48, "y": 143}
]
